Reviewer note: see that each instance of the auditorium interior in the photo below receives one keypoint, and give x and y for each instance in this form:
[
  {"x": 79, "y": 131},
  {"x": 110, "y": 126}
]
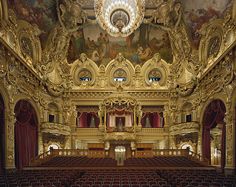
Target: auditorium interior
[{"x": 131, "y": 93}]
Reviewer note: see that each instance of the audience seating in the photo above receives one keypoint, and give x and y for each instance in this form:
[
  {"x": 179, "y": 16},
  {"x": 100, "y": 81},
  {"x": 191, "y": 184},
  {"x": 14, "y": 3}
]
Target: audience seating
[
  {"x": 162, "y": 161},
  {"x": 117, "y": 177},
  {"x": 75, "y": 161},
  {"x": 137, "y": 172},
  {"x": 193, "y": 178}
]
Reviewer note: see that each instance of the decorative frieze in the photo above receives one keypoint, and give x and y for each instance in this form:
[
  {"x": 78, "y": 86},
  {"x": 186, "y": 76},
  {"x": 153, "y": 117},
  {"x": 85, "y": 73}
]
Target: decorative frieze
[
  {"x": 184, "y": 128},
  {"x": 55, "y": 128}
]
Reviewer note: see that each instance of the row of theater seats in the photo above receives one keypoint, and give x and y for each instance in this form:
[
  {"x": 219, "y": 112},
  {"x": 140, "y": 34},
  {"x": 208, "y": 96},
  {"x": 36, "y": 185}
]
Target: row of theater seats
[
  {"x": 73, "y": 161},
  {"x": 39, "y": 178},
  {"x": 197, "y": 178},
  {"x": 162, "y": 161},
  {"x": 117, "y": 177},
  {"x": 124, "y": 178}
]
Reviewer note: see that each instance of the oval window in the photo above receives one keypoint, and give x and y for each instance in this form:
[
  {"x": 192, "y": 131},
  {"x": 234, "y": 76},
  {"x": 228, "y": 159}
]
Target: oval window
[
  {"x": 154, "y": 76},
  {"x": 120, "y": 75}
]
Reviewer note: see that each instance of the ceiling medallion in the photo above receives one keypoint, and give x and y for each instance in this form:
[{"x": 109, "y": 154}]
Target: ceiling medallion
[{"x": 119, "y": 17}]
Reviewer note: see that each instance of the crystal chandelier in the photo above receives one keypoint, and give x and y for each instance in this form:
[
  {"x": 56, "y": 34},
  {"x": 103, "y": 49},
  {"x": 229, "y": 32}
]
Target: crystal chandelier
[{"x": 119, "y": 17}]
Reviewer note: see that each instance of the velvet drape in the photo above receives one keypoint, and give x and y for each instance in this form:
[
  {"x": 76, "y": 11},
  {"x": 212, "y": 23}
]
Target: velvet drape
[
  {"x": 154, "y": 118},
  {"x": 2, "y": 135},
  {"x": 26, "y": 141},
  {"x": 85, "y": 119},
  {"x": 214, "y": 114}
]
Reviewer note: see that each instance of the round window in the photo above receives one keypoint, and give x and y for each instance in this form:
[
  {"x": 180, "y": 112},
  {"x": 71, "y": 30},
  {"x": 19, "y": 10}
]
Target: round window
[
  {"x": 154, "y": 76},
  {"x": 120, "y": 75},
  {"x": 85, "y": 75}
]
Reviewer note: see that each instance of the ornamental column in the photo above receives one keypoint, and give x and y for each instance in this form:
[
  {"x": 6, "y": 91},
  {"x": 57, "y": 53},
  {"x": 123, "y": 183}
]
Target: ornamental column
[
  {"x": 10, "y": 143},
  {"x": 229, "y": 141}
]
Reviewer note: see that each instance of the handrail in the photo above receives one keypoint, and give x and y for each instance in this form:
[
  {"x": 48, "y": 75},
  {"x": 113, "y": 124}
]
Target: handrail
[
  {"x": 170, "y": 152},
  {"x": 69, "y": 152},
  {"x": 181, "y": 152},
  {"x": 101, "y": 154},
  {"x": 38, "y": 159},
  {"x": 198, "y": 157}
]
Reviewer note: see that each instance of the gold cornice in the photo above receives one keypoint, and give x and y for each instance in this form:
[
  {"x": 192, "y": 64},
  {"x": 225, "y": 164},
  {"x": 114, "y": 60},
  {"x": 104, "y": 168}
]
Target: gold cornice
[
  {"x": 20, "y": 58},
  {"x": 218, "y": 60},
  {"x": 105, "y": 93}
]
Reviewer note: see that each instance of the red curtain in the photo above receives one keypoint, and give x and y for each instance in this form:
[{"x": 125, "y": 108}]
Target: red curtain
[
  {"x": 83, "y": 120},
  {"x": 97, "y": 120},
  {"x": 26, "y": 134},
  {"x": 2, "y": 135},
  {"x": 143, "y": 119},
  {"x": 154, "y": 118},
  {"x": 89, "y": 118},
  {"x": 108, "y": 119},
  {"x": 214, "y": 114}
]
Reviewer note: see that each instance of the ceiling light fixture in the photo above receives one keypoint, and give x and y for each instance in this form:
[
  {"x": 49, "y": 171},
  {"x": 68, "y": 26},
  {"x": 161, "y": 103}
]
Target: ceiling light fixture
[{"x": 119, "y": 17}]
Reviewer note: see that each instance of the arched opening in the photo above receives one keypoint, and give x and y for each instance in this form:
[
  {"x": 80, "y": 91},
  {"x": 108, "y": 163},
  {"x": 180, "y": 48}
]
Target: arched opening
[
  {"x": 26, "y": 134},
  {"x": 187, "y": 146},
  {"x": 53, "y": 146},
  {"x": 2, "y": 134},
  {"x": 214, "y": 135}
]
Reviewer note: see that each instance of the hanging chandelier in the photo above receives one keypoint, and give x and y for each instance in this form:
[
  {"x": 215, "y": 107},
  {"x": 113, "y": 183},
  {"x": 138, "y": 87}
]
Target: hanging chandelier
[{"x": 119, "y": 17}]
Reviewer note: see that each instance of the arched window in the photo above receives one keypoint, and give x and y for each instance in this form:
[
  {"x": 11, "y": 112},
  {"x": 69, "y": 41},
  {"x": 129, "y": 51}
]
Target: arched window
[
  {"x": 53, "y": 146},
  {"x": 120, "y": 75}
]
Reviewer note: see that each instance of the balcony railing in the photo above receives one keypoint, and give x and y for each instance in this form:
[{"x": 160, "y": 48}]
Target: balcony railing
[{"x": 55, "y": 128}]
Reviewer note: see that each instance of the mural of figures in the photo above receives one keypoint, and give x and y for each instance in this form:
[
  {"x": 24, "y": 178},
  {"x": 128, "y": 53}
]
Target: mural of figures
[
  {"x": 199, "y": 12},
  {"x": 40, "y": 12},
  {"x": 137, "y": 47},
  {"x": 102, "y": 48}
]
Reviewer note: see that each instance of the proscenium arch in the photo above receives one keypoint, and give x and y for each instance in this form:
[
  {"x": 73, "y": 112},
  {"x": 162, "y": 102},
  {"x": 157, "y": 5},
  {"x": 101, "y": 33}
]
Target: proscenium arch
[
  {"x": 25, "y": 133},
  {"x": 213, "y": 115}
]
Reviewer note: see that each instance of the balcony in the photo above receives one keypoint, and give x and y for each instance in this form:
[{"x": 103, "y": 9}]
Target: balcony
[
  {"x": 55, "y": 128},
  {"x": 185, "y": 128}
]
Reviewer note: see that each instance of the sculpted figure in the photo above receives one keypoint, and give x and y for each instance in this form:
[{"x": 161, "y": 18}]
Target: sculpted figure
[
  {"x": 71, "y": 18},
  {"x": 170, "y": 19}
]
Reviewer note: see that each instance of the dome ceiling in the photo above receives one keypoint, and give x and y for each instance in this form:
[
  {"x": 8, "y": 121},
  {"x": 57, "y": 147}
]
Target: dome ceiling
[{"x": 138, "y": 47}]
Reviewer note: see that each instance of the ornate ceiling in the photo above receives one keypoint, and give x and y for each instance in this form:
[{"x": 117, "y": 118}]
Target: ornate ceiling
[
  {"x": 167, "y": 49},
  {"x": 44, "y": 14}
]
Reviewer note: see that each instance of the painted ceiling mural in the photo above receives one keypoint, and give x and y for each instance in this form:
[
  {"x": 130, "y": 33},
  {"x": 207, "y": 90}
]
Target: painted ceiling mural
[
  {"x": 198, "y": 12},
  {"x": 101, "y": 48}
]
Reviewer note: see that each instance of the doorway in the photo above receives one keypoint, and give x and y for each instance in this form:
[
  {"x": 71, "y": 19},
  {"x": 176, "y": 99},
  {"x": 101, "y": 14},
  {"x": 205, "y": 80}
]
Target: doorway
[
  {"x": 120, "y": 152},
  {"x": 214, "y": 135},
  {"x": 2, "y": 135},
  {"x": 26, "y": 134}
]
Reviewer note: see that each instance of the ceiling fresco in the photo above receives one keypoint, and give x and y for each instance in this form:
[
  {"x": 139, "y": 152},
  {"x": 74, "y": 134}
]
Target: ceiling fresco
[
  {"x": 198, "y": 12},
  {"x": 101, "y": 48}
]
